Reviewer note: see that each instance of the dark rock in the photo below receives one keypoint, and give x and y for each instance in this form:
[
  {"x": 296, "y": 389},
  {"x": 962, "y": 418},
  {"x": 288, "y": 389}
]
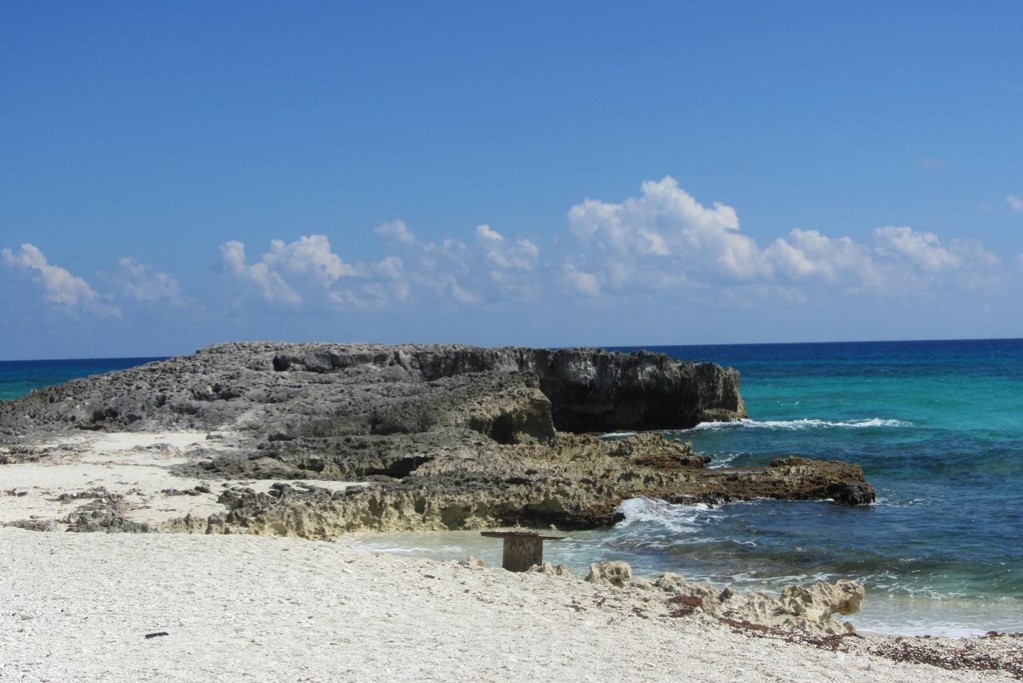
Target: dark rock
[{"x": 440, "y": 437}]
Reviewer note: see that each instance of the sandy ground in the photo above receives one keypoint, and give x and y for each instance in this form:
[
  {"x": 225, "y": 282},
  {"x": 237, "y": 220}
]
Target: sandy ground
[
  {"x": 136, "y": 465},
  {"x": 79, "y": 607}
]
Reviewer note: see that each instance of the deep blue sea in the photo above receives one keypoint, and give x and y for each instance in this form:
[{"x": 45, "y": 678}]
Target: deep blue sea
[
  {"x": 18, "y": 377},
  {"x": 936, "y": 425}
]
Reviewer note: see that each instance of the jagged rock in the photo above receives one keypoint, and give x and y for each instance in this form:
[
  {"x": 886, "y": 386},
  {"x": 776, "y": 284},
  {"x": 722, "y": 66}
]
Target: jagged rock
[
  {"x": 614, "y": 573},
  {"x": 439, "y": 437},
  {"x": 705, "y": 593},
  {"x": 799, "y": 609},
  {"x": 826, "y": 599},
  {"x": 554, "y": 570},
  {"x": 277, "y": 387},
  {"x": 804, "y": 610},
  {"x": 33, "y": 524},
  {"x": 106, "y": 514}
]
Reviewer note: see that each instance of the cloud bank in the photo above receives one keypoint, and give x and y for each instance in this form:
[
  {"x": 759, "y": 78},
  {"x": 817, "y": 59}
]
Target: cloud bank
[
  {"x": 665, "y": 239},
  {"x": 61, "y": 289},
  {"x": 661, "y": 245}
]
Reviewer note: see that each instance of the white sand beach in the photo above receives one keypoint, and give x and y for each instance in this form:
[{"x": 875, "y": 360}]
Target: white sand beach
[
  {"x": 234, "y": 608},
  {"x": 245, "y": 608}
]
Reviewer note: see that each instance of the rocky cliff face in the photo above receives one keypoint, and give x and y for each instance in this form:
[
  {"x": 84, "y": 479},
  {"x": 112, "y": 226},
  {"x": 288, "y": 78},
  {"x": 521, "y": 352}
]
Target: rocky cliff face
[
  {"x": 441, "y": 436},
  {"x": 357, "y": 389}
]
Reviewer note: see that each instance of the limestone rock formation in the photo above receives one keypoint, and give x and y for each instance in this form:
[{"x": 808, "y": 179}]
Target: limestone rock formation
[
  {"x": 321, "y": 390},
  {"x": 614, "y": 573},
  {"x": 810, "y": 611},
  {"x": 437, "y": 437}
]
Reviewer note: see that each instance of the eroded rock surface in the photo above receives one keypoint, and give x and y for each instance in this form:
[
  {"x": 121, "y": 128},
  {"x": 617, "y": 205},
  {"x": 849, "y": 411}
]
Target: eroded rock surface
[
  {"x": 799, "y": 609},
  {"x": 438, "y": 437}
]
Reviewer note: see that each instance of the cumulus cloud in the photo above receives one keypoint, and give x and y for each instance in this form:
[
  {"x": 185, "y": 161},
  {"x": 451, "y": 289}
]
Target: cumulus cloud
[
  {"x": 271, "y": 285},
  {"x": 666, "y": 239},
  {"x": 520, "y": 254},
  {"x": 918, "y": 258},
  {"x": 310, "y": 257},
  {"x": 580, "y": 281},
  {"x": 60, "y": 287},
  {"x": 810, "y": 255},
  {"x": 395, "y": 230},
  {"x": 663, "y": 240},
  {"x": 1015, "y": 203},
  {"x": 921, "y": 249},
  {"x": 667, "y": 225},
  {"x": 137, "y": 281},
  {"x": 451, "y": 271},
  {"x": 307, "y": 272},
  {"x": 447, "y": 270}
]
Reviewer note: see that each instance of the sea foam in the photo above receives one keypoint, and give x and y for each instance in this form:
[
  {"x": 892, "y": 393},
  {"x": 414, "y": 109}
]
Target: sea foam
[{"x": 806, "y": 423}]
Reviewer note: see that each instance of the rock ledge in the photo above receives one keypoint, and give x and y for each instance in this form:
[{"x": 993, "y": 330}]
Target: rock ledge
[{"x": 437, "y": 437}]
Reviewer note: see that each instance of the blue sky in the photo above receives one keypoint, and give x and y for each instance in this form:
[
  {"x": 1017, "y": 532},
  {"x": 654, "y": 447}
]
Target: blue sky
[{"x": 549, "y": 174}]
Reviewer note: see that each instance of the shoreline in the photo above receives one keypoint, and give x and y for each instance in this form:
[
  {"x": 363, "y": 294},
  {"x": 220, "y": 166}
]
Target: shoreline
[
  {"x": 880, "y": 614},
  {"x": 265, "y": 607},
  {"x": 268, "y": 608},
  {"x": 138, "y": 477}
]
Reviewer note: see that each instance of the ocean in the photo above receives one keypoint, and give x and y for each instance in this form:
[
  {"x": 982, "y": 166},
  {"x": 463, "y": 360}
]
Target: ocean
[
  {"x": 936, "y": 425},
  {"x": 18, "y": 377}
]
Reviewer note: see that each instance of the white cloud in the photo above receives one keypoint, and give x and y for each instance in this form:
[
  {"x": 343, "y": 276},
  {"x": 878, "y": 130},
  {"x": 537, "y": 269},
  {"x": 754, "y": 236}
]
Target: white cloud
[
  {"x": 138, "y": 281},
  {"x": 488, "y": 234},
  {"x": 308, "y": 257},
  {"x": 922, "y": 249},
  {"x": 61, "y": 288},
  {"x": 397, "y": 231},
  {"x": 449, "y": 271},
  {"x": 307, "y": 272},
  {"x": 1015, "y": 203},
  {"x": 520, "y": 254},
  {"x": 271, "y": 285},
  {"x": 580, "y": 281},
  {"x": 666, "y": 240},
  {"x": 920, "y": 257},
  {"x": 661, "y": 241},
  {"x": 390, "y": 282},
  {"x": 807, "y": 254},
  {"x": 667, "y": 228}
]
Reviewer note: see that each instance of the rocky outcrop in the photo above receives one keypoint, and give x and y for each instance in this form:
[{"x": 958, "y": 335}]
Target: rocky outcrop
[
  {"x": 439, "y": 437},
  {"x": 615, "y": 573},
  {"x": 802, "y": 610},
  {"x": 589, "y": 389},
  {"x": 320, "y": 390}
]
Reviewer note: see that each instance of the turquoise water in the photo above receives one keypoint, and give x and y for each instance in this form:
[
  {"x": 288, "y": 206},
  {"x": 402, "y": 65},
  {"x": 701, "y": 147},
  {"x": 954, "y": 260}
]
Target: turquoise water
[
  {"x": 18, "y": 377},
  {"x": 937, "y": 427}
]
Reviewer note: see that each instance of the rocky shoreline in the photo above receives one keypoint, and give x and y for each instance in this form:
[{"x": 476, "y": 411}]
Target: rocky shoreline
[
  {"x": 435, "y": 437},
  {"x": 315, "y": 440}
]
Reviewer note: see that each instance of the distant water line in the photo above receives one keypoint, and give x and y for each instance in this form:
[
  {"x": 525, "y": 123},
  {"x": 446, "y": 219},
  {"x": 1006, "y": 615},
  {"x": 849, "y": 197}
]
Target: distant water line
[{"x": 19, "y": 377}]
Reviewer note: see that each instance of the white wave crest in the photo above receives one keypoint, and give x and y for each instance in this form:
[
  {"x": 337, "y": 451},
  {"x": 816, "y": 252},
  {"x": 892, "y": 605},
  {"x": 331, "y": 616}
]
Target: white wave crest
[
  {"x": 616, "y": 435},
  {"x": 806, "y": 423},
  {"x": 680, "y": 519}
]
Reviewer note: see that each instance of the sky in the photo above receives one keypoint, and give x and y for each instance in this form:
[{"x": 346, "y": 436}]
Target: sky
[{"x": 174, "y": 175}]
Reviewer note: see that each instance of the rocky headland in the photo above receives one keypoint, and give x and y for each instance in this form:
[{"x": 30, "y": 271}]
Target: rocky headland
[{"x": 371, "y": 437}]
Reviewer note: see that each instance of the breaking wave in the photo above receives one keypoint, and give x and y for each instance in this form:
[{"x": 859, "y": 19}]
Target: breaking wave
[
  {"x": 793, "y": 425},
  {"x": 682, "y": 519}
]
